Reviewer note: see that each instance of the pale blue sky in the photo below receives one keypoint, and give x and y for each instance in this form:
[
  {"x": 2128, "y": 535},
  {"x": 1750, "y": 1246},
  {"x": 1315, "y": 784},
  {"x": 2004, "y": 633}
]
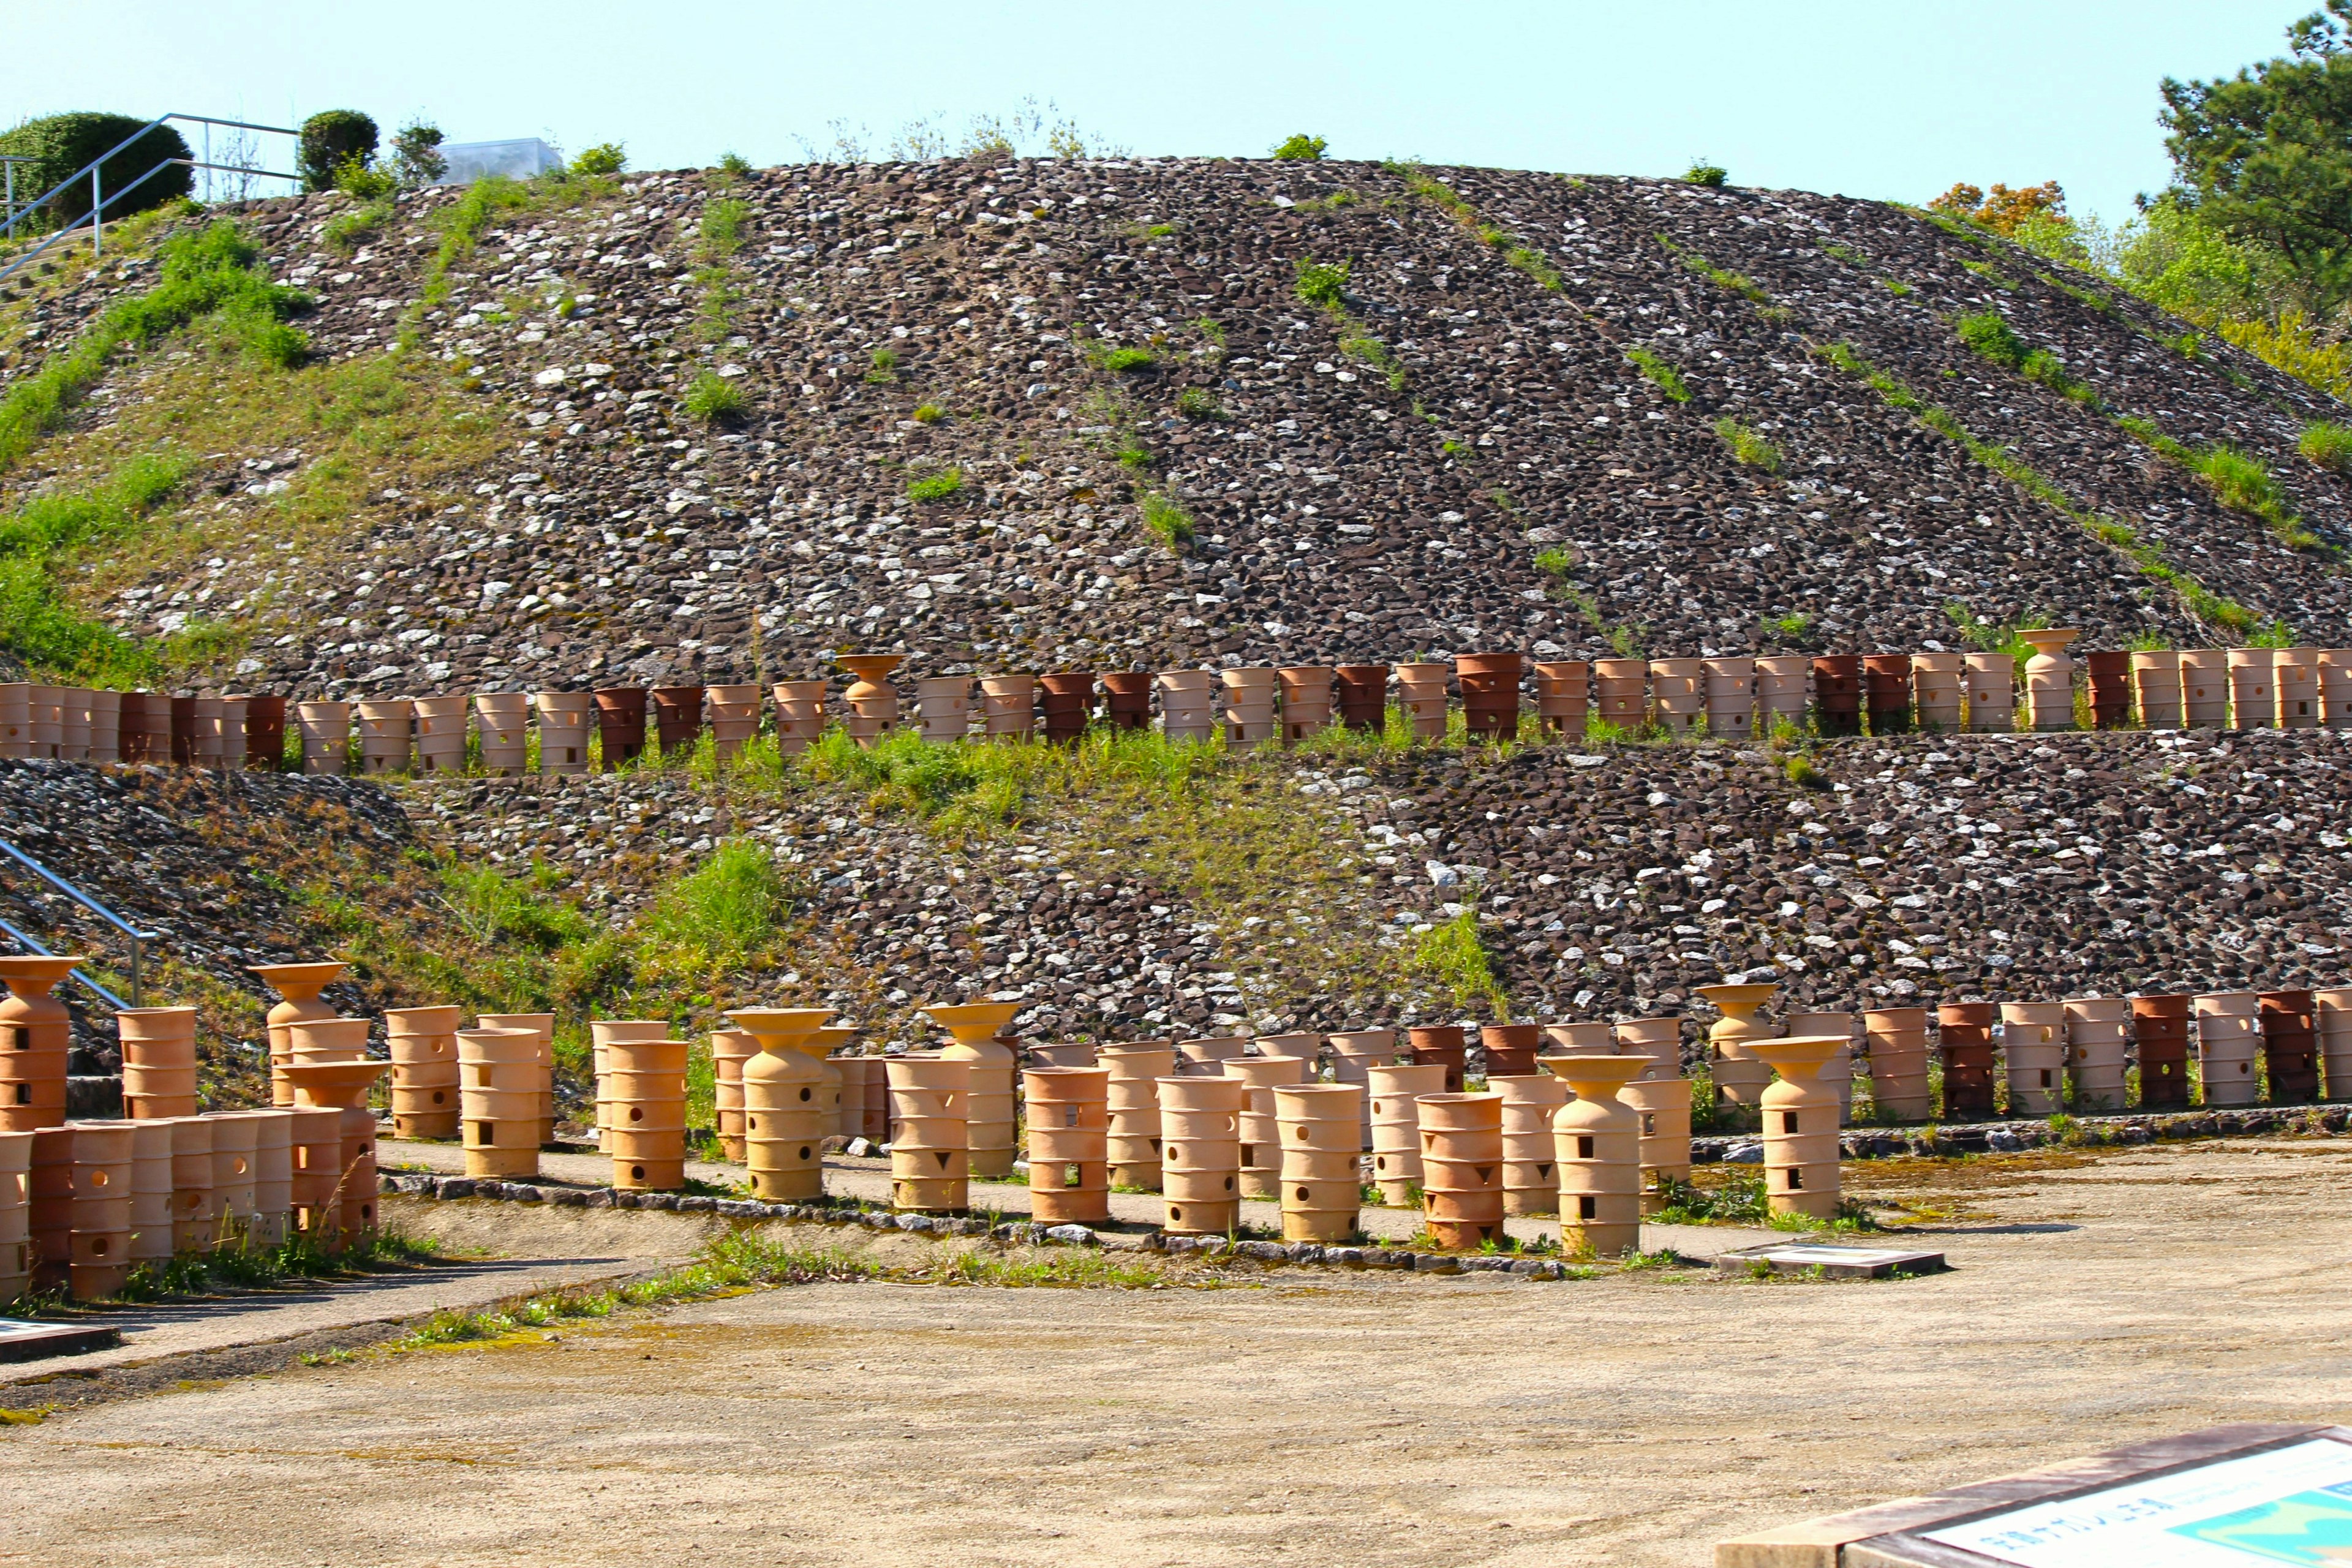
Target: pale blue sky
[{"x": 1870, "y": 99}]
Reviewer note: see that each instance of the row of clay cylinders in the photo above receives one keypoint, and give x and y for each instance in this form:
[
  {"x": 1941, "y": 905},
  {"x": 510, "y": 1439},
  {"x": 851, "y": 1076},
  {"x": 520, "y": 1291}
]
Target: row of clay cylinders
[
  {"x": 71, "y": 724},
  {"x": 499, "y": 1095},
  {"x": 931, "y": 1150},
  {"x": 788, "y": 1109},
  {"x": 34, "y": 1034},
  {"x": 2244, "y": 689},
  {"x": 1068, "y": 1115},
  {"x": 425, "y": 1077},
  {"x": 1200, "y": 1152},
  {"x": 159, "y": 1062},
  {"x": 1131, "y": 1101}
]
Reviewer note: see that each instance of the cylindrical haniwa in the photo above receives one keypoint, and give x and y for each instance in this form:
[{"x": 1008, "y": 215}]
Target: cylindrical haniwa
[
  {"x": 643, "y": 1085},
  {"x": 1132, "y": 1096},
  {"x": 1897, "y": 1045},
  {"x": 729, "y": 1049},
  {"x": 425, "y": 1077},
  {"x": 989, "y": 1096},
  {"x": 1739, "y": 1074},
  {"x": 1839, "y": 1074},
  {"x": 159, "y": 1062},
  {"x": 1597, "y": 1142},
  {"x": 2332, "y": 1020},
  {"x": 2205, "y": 688},
  {"x": 603, "y": 1032},
  {"x": 1564, "y": 696},
  {"x": 1964, "y": 1033},
  {"x": 1201, "y": 1153},
  {"x": 1531, "y": 1169},
  {"x": 2033, "y": 1053},
  {"x": 2156, "y": 684},
  {"x": 1992, "y": 692},
  {"x": 786, "y": 1119},
  {"x": 497, "y": 1097},
  {"x": 1069, "y": 1131},
  {"x": 1441, "y": 1045},
  {"x": 150, "y": 1194},
  {"x": 503, "y": 719},
  {"x": 1187, "y": 704},
  {"x": 1462, "y": 1167},
  {"x": 1261, "y": 1167},
  {"x": 930, "y": 1169},
  {"x": 99, "y": 1232},
  {"x": 1800, "y": 1126},
  {"x": 1396, "y": 1127},
  {"x": 326, "y": 729},
  {"x": 35, "y": 1037},
  {"x": 564, "y": 718},
  {"x": 2160, "y": 1033},
  {"x": 1354, "y": 1053},
  {"x": 2229, "y": 1032},
  {"x": 2098, "y": 1036},
  {"x": 1322, "y": 1180}
]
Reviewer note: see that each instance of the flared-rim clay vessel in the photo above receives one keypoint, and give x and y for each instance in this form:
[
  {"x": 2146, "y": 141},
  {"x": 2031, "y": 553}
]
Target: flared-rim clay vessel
[
  {"x": 35, "y": 1041},
  {"x": 1069, "y": 1132},
  {"x": 784, "y": 1115},
  {"x": 1839, "y": 1074},
  {"x": 870, "y": 705},
  {"x": 343, "y": 1086},
  {"x": 974, "y": 1027},
  {"x": 929, "y": 1169},
  {"x": 1800, "y": 1125},
  {"x": 1739, "y": 1074},
  {"x": 1597, "y": 1145}
]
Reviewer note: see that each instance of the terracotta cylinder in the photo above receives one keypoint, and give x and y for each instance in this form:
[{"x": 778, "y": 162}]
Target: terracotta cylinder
[
  {"x": 870, "y": 705},
  {"x": 1247, "y": 705},
  {"x": 1530, "y": 1173},
  {"x": 205, "y": 742},
  {"x": 2253, "y": 699},
  {"x": 297, "y": 986},
  {"x": 1396, "y": 1127},
  {"x": 234, "y": 1138},
  {"x": 1662, "y": 1106},
  {"x": 2205, "y": 688},
  {"x": 943, "y": 708},
  {"x": 273, "y": 1177},
  {"x": 316, "y": 1141},
  {"x": 502, "y": 718},
  {"x": 929, "y": 1167},
  {"x": 159, "y": 1062},
  {"x": 2160, "y": 1037},
  {"x": 1992, "y": 693},
  {"x": 1658, "y": 1040},
  {"x": 1008, "y": 706},
  {"x": 1187, "y": 704},
  {"x": 2050, "y": 679},
  {"x": 563, "y": 720},
  {"x": 328, "y": 1039},
  {"x": 2229, "y": 1034},
  {"x": 1127, "y": 698},
  {"x": 184, "y": 726},
  {"x": 1440, "y": 1045},
  {"x": 131, "y": 726},
  {"x": 2109, "y": 674},
  {"x": 157, "y": 740},
  {"x": 605, "y": 1032},
  {"x": 1200, "y": 1152},
  {"x": 1354, "y": 1053},
  {"x": 620, "y": 724},
  {"x": 1132, "y": 1097},
  {"x": 1362, "y": 692},
  {"x": 787, "y": 1115},
  {"x": 1462, "y": 1167},
  {"x": 326, "y": 737},
  {"x": 1597, "y": 1145},
  {"x": 1837, "y": 693},
  {"x": 1964, "y": 1032},
  {"x": 989, "y": 1092},
  {"x": 1886, "y": 692},
  {"x": 2098, "y": 1042},
  {"x": 1490, "y": 693},
  {"x": 15, "y": 718},
  {"x": 1261, "y": 1158},
  {"x": 265, "y": 731},
  {"x": 106, "y": 726},
  {"x": 1588, "y": 1040},
  {"x": 542, "y": 1028},
  {"x": 2156, "y": 688},
  {"x": 498, "y": 1100},
  {"x": 1306, "y": 701},
  {"x": 1730, "y": 685},
  {"x": 1564, "y": 696},
  {"x": 1069, "y": 1131},
  {"x": 1306, "y": 1046},
  {"x": 676, "y": 713},
  {"x": 2290, "y": 1045},
  {"x": 1067, "y": 703},
  {"x": 2332, "y": 1019},
  {"x": 1510, "y": 1048},
  {"x": 729, "y": 1049},
  {"x": 1206, "y": 1055},
  {"x": 1740, "y": 1074},
  {"x": 1421, "y": 693},
  {"x": 2336, "y": 688},
  {"x": 1896, "y": 1041},
  {"x": 1800, "y": 1126},
  {"x": 855, "y": 1068},
  {"x": 35, "y": 1035},
  {"x": 645, "y": 1084},
  {"x": 387, "y": 735},
  {"x": 2294, "y": 675},
  {"x": 194, "y": 1212},
  {"x": 1678, "y": 695},
  {"x": 151, "y": 1195},
  {"x": 100, "y": 1226},
  {"x": 1322, "y": 1191},
  {"x": 1839, "y": 1074},
  {"x": 424, "y": 1094},
  {"x": 799, "y": 714},
  {"x": 16, "y": 1254},
  {"x": 1936, "y": 680},
  {"x": 825, "y": 1045},
  {"x": 441, "y": 734},
  {"x": 47, "y": 726},
  {"x": 877, "y": 1101},
  {"x": 49, "y": 1208},
  {"x": 1784, "y": 690},
  {"x": 2034, "y": 1057}
]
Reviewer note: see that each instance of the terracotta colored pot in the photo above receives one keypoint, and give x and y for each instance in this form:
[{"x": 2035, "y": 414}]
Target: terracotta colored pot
[
  {"x": 498, "y": 1100},
  {"x": 2050, "y": 680},
  {"x": 1897, "y": 1046},
  {"x": 1837, "y": 693},
  {"x": 1659, "y": 1039},
  {"x": 1396, "y": 1127},
  {"x": 1740, "y": 1074},
  {"x": 677, "y": 714},
  {"x": 1678, "y": 695},
  {"x": 106, "y": 726},
  {"x": 1663, "y": 1107},
  {"x": 563, "y": 720},
  {"x": 441, "y": 734},
  {"x": 2336, "y": 688},
  {"x": 205, "y": 741},
  {"x": 2205, "y": 688},
  {"x": 870, "y": 705},
  {"x": 2155, "y": 686},
  {"x": 233, "y": 1140},
  {"x": 1800, "y": 1126},
  {"x": 1069, "y": 1121},
  {"x": 1440, "y": 1045},
  {"x": 1597, "y": 1145},
  {"x": 799, "y": 714},
  {"x": 1200, "y": 1152},
  {"x": 387, "y": 735},
  {"x": 503, "y": 719},
  {"x": 2033, "y": 1052},
  {"x": 1008, "y": 705},
  {"x": 298, "y": 986},
  {"x": 46, "y": 730},
  {"x": 1490, "y": 693},
  {"x": 1936, "y": 680},
  {"x": 194, "y": 1212},
  {"x": 1261, "y": 1157},
  {"x": 1306, "y": 701},
  {"x": 1564, "y": 696},
  {"x": 620, "y": 724},
  {"x": 2253, "y": 699},
  {"x": 326, "y": 736},
  {"x": 855, "y": 1070},
  {"x": 1187, "y": 704},
  {"x": 343, "y": 1088},
  {"x": 2110, "y": 677},
  {"x": 273, "y": 1177},
  {"x": 1421, "y": 693},
  {"x": 1362, "y": 693},
  {"x": 729, "y": 1049},
  {"x": 1132, "y": 1097},
  {"x": 151, "y": 1195},
  {"x": 943, "y": 708},
  {"x": 1530, "y": 1171},
  {"x": 2098, "y": 1036},
  {"x": 1127, "y": 698},
  {"x": 1784, "y": 690},
  {"x": 1067, "y": 701},
  {"x": 2290, "y": 1045},
  {"x": 734, "y": 709},
  {"x": 1510, "y": 1048},
  {"x": 1462, "y": 1167},
  {"x": 1992, "y": 693},
  {"x": 2229, "y": 1032},
  {"x": 1839, "y": 1074},
  {"x": 1206, "y": 1055},
  {"x": 1886, "y": 692},
  {"x": 1247, "y": 707},
  {"x": 15, "y": 718},
  {"x": 643, "y": 1086},
  {"x": 1354, "y": 1053},
  {"x": 930, "y": 1162},
  {"x": 1322, "y": 1189},
  {"x": 988, "y": 1097},
  {"x": 825, "y": 1045},
  {"x": 159, "y": 1062},
  {"x": 1730, "y": 689},
  {"x": 1965, "y": 1038},
  {"x": 542, "y": 1027},
  {"x": 2332, "y": 1020},
  {"x": 1305, "y": 1046},
  {"x": 314, "y": 1159},
  {"x": 1581, "y": 1039},
  {"x": 49, "y": 1208},
  {"x": 604, "y": 1033},
  {"x": 34, "y": 1030},
  {"x": 98, "y": 1225},
  {"x": 2160, "y": 1038},
  {"x": 786, "y": 1116},
  {"x": 265, "y": 730},
  {"x": 2294, "y": 674},
  {"x": 73, "y": 723}
]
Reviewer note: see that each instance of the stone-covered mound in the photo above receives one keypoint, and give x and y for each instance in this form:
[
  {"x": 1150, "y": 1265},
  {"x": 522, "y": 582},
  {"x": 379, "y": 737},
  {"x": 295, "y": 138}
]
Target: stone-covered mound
[{"x": 1368, "y": 475}]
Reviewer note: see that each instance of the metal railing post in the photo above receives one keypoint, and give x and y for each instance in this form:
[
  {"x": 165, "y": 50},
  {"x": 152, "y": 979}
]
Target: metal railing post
[
  {"x": 97, "y": 220},
  {"x": 138, "y": 988}
]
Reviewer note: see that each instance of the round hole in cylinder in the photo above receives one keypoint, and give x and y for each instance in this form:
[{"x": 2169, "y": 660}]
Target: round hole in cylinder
[
  {"x": 804, "y": 1151},
  {"x": 98, "y": 1245},
  {"x": 637, "y": 1113},
  {"x": 637, "y": 1173},
  {"x": 97, "y": 1178}
]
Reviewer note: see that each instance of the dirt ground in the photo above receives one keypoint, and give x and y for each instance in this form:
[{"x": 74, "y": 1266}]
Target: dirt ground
[{"x": 1304, "y": 1416}]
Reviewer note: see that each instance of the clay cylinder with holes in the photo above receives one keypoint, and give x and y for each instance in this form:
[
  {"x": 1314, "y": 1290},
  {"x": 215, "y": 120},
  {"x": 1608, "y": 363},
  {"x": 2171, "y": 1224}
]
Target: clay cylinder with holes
[
  {"x": 194, "y": 1212},
  {"x": 100, "y": 1226},
  {"x": 502, "y": 720},
  {"x": 326, "y": 729},
  {"x": 272, "y": 1219},
  {"x": 387, "y": 735},
  {"x": 2290, "y": 1045},
  {"x": 854, "y": 1069},
  {"x": 542, "y": 1028},
  {"x": 1837, "y": 693},
  {"x": 1490, "y": 693},
  {"x": 498, "y": 1100},
  {"x": 676, "y": 715},
  {"x": 1991, "y": 688},
  {"x": 2295, "y": 676},
  {"x": 1354, "y": 1053},
  {"x": 1066, "y": 702},
  {"x": 1801, "y": 1126},
  {"x": 2156, "y": 688},
  {"x": 1936, "y": 680},
  {"x": 1247, "y": 705},
  {"x": 1132, "y": 1097},
  {"x": 620, "y": 725},
  {"x": 1663, "y": 1108},
  {"x": 1261, "y": 1158},
  {"x": 1530, "y": 1170},
  {"x": 564, "y": 718},
  {"x": 49, "y": 1195},
  {"x": 1421, "y": 693},
  {"x": 1678, "y": 695},
  {"x": 603, "y": 1033},
  {"x": 1839, "y": 1073},
  {"x": 1362, "y": 693},
  {"x": 2331, "y": 1011},
  {"x": 1188, "y": 704},
  {"x": 106, "y": 726},
  {"x": 1660, "y": 1039},
  {"x": 159, "y": 1062},
  {"x": 1206, "y": 1055},
  {"x": 1461, "y": 1167},
  {"x": 2160, "y": 1039},
  {"x": 787, "y": 1116},
  {"x": 1896, "y": 1042},
  {"x": 1322, "y": 1191},
  {"x": 1069, "y": 1116},
  {"x": 1440, "y": 1045},
  {"x": 799, "y": 714},
  {"x": 729, "y": 1049},
  {"x": 1127, "y": 698},
  {"x": 930, "y": 1169},
  {"x": 423, "y": 1046},
  {"x": 316, "y": 1139},
  {"x": 1784, "y": 690},
  {"x": 1886, "y": 692},
  {"x": 1620, "y": 691},
  {"x": 2253, "y": 699},
  {"x": 1564, "y": 696},
  {"x": 441, "y": 734},
  {"x": 1306, "y": 701},
  {"x": 150, "y": 1194},
  {"x": 2334, "y": 666},
  {"x": 1008, "y": 706},
  {"x": 1964, "y": 1037},
  {"x": 34, "y": 1030},
  {"x": 1201, "y": 1153},
  {"x": 2098, "y": 1044},
  {"x": 236, "y": 1143},
  {"x": 1509, "y": 1048},
  {"x": 2108, "y": 674},
  {"x": 943, "y": 708},
  {"x": 1597, "y": 1145},
  {"x": 1396, "y": 1126},
  {"x": 2229, "y": 1038},
  {"x": 2034, "y": 1057},
  {"x": 1730, "y": 689},
  {"x": 16, "y": 1258},
  {"x": 643, "y": 1086},
  {"x": 2205, "y": 688},
  {"x": 1586, "y": 1038}
]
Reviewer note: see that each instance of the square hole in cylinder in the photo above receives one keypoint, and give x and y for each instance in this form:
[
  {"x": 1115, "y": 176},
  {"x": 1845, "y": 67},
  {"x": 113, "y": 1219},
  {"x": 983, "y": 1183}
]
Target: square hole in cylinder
[
  {"x": 1583, "y": 1148},
  {"x": 1587, "y": 1208}
]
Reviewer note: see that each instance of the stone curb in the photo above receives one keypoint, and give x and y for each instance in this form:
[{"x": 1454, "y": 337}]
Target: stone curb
[{"x": 2010, "y": 1137}]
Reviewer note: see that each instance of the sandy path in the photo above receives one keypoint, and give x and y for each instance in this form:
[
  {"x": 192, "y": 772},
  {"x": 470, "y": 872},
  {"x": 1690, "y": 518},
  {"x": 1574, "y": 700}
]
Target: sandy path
[{"x": 1315, "y": 1419}]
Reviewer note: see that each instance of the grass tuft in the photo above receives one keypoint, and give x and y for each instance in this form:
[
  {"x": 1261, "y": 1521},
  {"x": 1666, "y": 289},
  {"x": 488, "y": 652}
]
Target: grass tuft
[
  {"x": 1660, "y": 372},
  {"x": 715, "y": 399},
  {"x": 1748, "y": 445}
]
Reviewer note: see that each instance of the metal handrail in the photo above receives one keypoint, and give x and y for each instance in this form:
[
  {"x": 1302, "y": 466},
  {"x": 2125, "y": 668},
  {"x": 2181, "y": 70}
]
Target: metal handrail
[
  {"x": 109, "y": 997},
  {"x": 139, "y": 939},
  {"x": 93, "y": 217}
]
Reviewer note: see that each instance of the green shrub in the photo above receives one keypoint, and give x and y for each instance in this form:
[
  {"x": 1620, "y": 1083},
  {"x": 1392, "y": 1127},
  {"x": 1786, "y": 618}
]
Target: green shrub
[
  {"x": 1129, "y": 359},
  {"x": 1322, "y": 283},
  {"x": 1748, "y": 446},
  {"x": 733, "y": 165},
  {"x": 929, "y": 414},
  {"x": 935, "y": 486},
  {"x": 59, "y": 144},
  {"x": 1199, "y": 403},
  {"x": 1989, "y": 335},
  {"x": 1702, "y": 173},
  {"x": 417, "y": 157},
  {"x": 1301, "y": 149},
  {"x": 2327, "y": 443},
  {"x": 1163, "y": 516},
  {"x": 605, "y": 158},
  {"x": 330, "y": 138},
  {"x": 714, "y": 399},
  {"x": 722, "y": 226},
  {"x": 1661, "y": 373},
  {"x": 885, "y": 367}
]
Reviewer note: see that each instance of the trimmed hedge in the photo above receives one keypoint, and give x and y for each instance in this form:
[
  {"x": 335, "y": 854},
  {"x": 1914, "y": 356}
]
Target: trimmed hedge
[
  {"x": 62, "y": 143},
  {"x": 330, "y": 138}
]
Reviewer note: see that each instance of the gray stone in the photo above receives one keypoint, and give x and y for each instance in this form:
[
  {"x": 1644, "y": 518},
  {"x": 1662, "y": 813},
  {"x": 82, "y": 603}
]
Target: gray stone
[{"x": 1072, "y": 1235}]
